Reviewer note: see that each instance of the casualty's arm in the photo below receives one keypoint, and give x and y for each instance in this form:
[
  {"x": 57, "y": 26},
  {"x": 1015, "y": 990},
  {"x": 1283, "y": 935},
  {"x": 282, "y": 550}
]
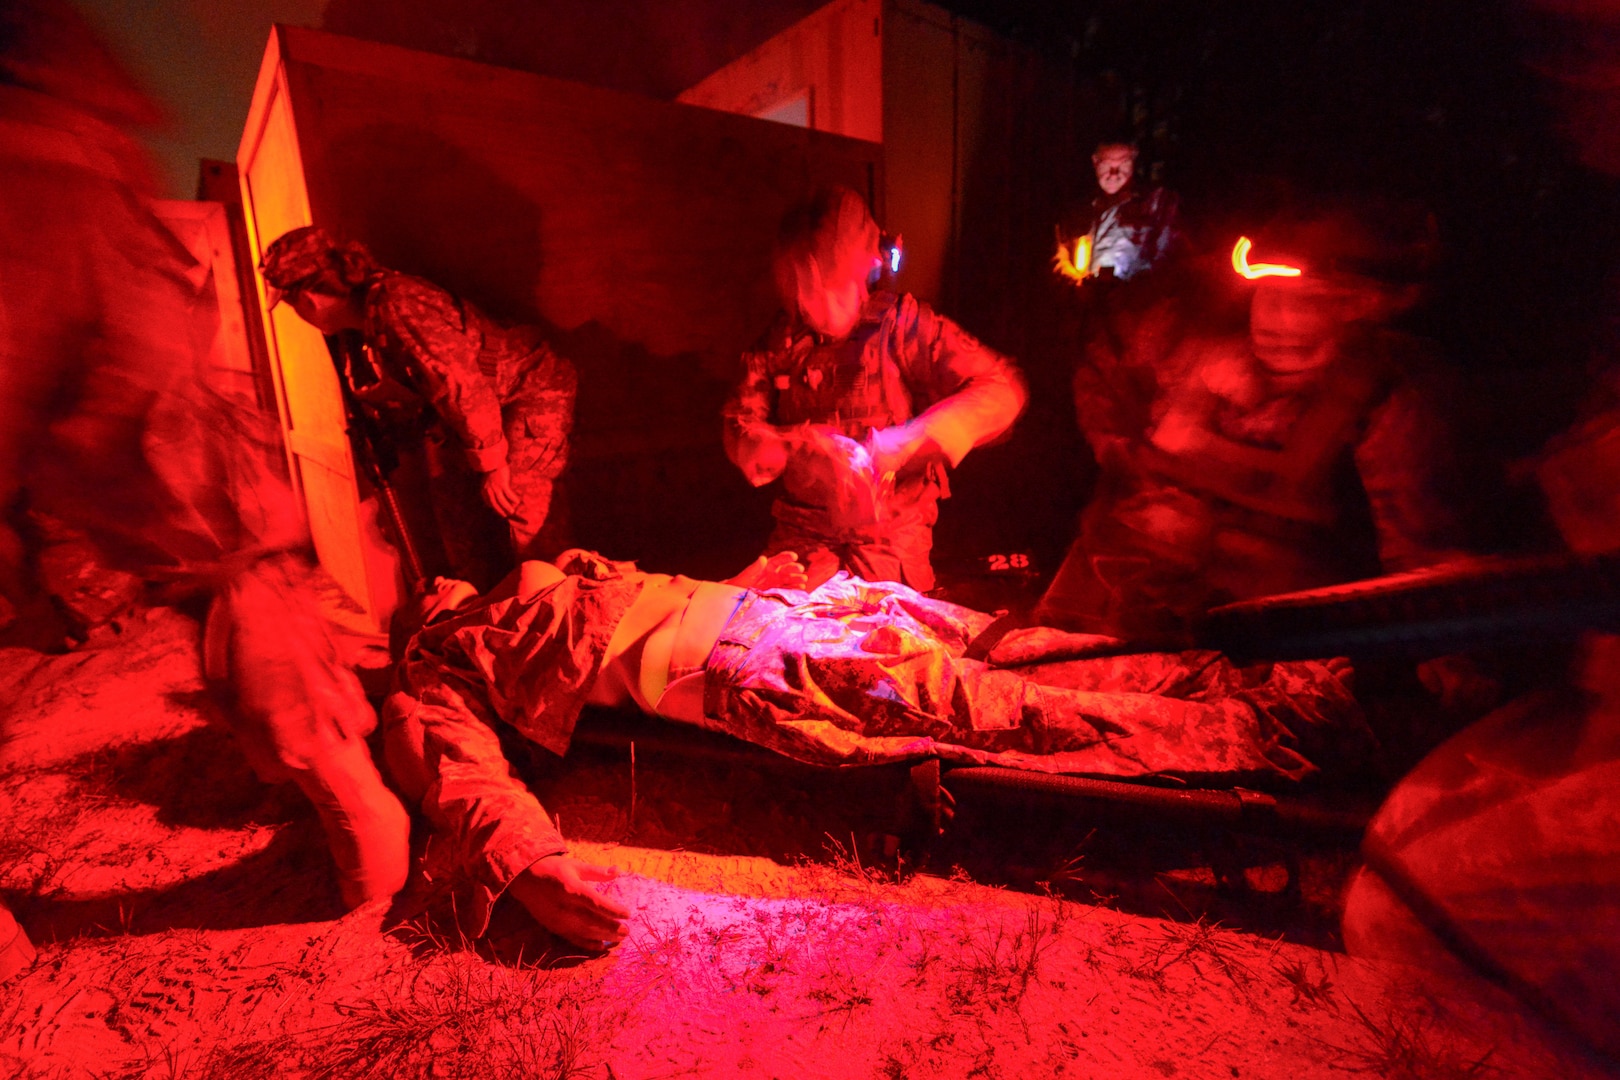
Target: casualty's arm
[
  {"x": 429, "y": 327},
  {"x": 489, "y": 825},
  {"x": 755, "y": 445},
  {"x": 976, "y": 393}
]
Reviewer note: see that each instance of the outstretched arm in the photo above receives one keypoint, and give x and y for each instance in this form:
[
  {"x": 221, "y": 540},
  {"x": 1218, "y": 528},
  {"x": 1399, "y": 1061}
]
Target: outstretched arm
[
  {"x": 755, "y": 445},
  {"x": 976, "y": 393}
]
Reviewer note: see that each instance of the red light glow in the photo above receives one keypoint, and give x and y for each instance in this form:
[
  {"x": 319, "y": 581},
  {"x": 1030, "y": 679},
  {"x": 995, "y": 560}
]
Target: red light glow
[
  {"x": 1240, "y": 263},
  {"x": 1073, "y": 260}
]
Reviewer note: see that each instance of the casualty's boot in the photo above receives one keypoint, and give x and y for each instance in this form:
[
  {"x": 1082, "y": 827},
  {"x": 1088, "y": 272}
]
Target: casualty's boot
[
  {"x": 366, "y": 826},
  {"x": 16, "y": 951}
]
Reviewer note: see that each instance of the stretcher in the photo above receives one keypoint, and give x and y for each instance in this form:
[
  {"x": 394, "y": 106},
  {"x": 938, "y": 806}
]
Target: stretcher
[{"x": 1478, "y": 603}]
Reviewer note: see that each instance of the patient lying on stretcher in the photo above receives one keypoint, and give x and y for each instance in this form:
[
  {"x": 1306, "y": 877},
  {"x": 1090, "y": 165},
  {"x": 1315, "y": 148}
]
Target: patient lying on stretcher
[{"x": 851, "y": 673}]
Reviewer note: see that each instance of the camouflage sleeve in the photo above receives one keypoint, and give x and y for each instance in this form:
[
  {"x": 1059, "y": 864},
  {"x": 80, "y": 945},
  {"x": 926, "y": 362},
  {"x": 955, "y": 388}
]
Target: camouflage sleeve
[
  {"x": 1406, "y": 462},
  {"x": 971, "y": 392},
  {"x": 752, "y": 441},
  {"x": 430, "y": 331}
]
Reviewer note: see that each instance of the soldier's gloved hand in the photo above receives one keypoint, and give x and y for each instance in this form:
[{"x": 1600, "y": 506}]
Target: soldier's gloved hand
[
  {"x": 892, "y": 448},
  {"x": 835, "y": 472},
  {"x": 498, "y": 492},
  {"x": 557, "y": 892}
]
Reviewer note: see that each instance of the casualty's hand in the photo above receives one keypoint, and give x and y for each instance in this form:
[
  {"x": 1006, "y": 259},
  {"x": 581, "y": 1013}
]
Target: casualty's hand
[
  {"x": 780, "y": 571},
  {"x": 498, "y": 492},
  {"x": 557, "y": 892}
]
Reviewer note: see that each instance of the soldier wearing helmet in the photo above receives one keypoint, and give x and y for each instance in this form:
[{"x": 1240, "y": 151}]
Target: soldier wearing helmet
[
  {"x": 859, "y": 402},
  {"x": 503, "y": 401},
  {"x": 1228, "y": 466}
]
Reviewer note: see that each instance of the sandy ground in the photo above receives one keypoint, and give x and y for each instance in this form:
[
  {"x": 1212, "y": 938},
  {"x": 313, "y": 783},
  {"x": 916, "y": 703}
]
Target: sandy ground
[{"x": 188, "y": 927}]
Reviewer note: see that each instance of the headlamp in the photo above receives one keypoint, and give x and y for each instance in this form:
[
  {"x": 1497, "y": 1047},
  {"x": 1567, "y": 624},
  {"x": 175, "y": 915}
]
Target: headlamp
[
  {"x": 1252, "y": 271},
  {"x": 890, "y": 248}
]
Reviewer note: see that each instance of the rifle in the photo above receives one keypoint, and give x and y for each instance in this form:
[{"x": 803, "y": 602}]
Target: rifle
[{"x": 374, "y": 449}]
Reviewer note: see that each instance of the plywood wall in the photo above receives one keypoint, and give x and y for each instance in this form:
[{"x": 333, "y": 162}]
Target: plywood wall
[
  {"x": 834, "y": 57},
  {"x": 636, "y": 232}
]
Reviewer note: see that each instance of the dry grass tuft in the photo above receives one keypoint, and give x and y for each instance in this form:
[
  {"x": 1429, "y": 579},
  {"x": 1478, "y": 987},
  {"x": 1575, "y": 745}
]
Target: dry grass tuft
[{"x": 1405, "y": 1044}]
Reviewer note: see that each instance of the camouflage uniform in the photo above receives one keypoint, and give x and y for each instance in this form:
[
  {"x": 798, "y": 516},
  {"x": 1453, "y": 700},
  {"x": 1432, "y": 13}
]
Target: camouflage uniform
[
  {"x": 108, "y": 425},
  {"x": 850, "y": 673},
  {"x": 1130, "y": 232},
  {"x": 456, "y": 679},
  {"x": 901, "y": 361},
  {"x": 1214, "y": 487},
  {"x": 505, "y": 397}
]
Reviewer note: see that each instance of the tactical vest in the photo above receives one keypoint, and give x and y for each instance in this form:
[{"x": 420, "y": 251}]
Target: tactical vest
[{"x": 850, "y": 385}]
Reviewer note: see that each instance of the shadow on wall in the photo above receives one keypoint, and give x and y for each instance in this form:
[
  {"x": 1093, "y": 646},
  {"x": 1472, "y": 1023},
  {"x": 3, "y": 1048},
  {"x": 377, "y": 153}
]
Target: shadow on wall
[
  {"x": 648, "y": 478},
  {"x": 1024, "y": 158},
  {"x": 424, "y": 206}
]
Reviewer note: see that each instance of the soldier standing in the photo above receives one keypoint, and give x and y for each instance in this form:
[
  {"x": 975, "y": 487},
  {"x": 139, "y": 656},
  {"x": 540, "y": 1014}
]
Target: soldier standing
[
  {"x": 860, "y": 401},
  {"x": 502, "y": 400},
  {"x": 1228, "y": 465}
]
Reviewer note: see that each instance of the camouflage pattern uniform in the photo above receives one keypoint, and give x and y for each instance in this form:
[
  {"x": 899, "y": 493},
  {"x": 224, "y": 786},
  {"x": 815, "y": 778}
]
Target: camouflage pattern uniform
[
  {"x": 456, "y": 679},
  {"x": 1215, "y": 487},
  {"x": 501, "y": 392},
  {"x": 850, "y": 673},
  {"x": 1130, "y": 232},
  {"x": 902, "y": 361}
]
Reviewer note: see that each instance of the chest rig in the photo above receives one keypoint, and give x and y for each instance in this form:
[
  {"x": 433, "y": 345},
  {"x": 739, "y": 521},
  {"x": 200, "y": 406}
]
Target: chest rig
[{"x": 843, "y": 384}]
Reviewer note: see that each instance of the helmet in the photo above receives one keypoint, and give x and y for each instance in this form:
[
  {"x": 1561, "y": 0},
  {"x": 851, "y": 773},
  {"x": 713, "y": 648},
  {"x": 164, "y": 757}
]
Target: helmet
[{"x": 308, "y": 257}]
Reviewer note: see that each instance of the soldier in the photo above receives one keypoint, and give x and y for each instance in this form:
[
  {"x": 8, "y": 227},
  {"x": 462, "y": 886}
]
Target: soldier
[
  {"x": 849, "y": 673},
  {"x": 1222, "y": 460},
  {"x": 1124, "y": 230},
  {"x": 859, "y": 402},
  {"x": 506, "y": 399},
  {"x": 108, "y": 425}
]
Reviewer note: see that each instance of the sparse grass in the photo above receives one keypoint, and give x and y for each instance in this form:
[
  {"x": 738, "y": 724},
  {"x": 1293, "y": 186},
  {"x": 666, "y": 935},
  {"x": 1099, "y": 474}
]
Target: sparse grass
[
  {"x": 999, "y": 965},
  {"x": 1312, "y": 990},
  {"x": 1405, "y": 1044},
  {"x": 839, "y": 994},
  {"x": 454, "y": 1017}
]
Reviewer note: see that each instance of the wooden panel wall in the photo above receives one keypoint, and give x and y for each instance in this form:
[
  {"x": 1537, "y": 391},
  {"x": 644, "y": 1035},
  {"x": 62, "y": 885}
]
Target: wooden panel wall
[
  {"x": 836, "y": 54},
  {"x": 636, "y": 232}
]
